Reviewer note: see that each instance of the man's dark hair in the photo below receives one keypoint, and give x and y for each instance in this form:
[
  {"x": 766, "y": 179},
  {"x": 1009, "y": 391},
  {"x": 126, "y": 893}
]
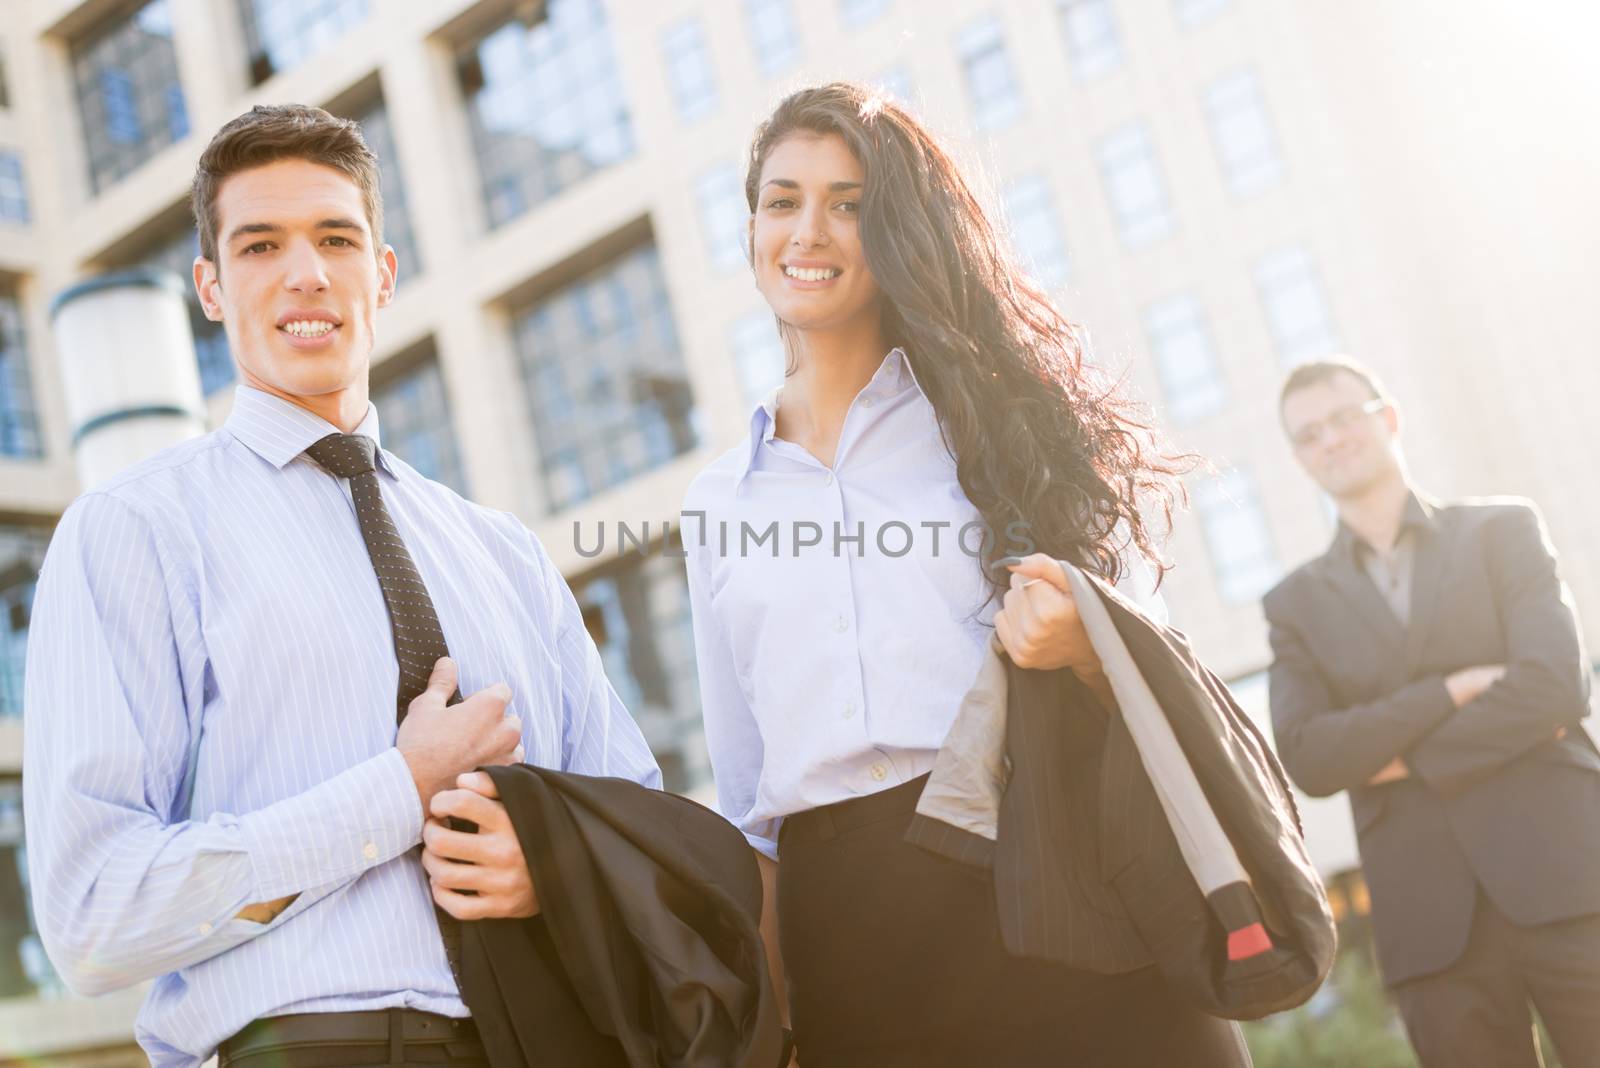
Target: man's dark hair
[
  {"x": 271, "y": 132},
  {"x": 1317, "y": 372}
]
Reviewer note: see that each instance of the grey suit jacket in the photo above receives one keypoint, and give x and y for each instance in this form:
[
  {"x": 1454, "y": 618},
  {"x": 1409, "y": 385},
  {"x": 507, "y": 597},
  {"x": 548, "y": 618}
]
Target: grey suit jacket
[{"x": 1495, "y": 799}]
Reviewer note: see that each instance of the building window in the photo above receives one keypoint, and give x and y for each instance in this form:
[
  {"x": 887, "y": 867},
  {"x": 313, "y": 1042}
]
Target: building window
[
  {"x": 724, "y": 215},
  {"x": 5, "y": 92},
  {"x": 1296, "y": 308},
  {"x": 176, "y": 252},
  {"x": 281, "y": 33},
  {"x": 25, "y": 971},
  {"x": 758, "y": 356},
  {"x": 379, "y": 135},
  {"x": 546, "y": 105},
  {"x": 638, "y": 615},
  {"x": 1185, "y": 358},
  {"x": 690, "y": 72},
  {"x": 1192, "y": 13},
  {"x": 414, "y": 419},
  {"x": 991, "y": 85},
  {"x": 1241, "y": 132},
  {"x": 19, "y": 421},
  {"x": 129, "y": 96},
  {"x": 607, "y": 389},
  {"x": 773, "y": 34},
  {"x": 21, "y": 554},
  {"x": 1094, "y": 48},
  {"x": 16, "y": 608},
  {"x": 1036, "y": 230},
  {"x": 1237, "y": 536},
  {"x": 13, "y": 191},
  {"x": 860, "y": 12},
  {"x": 1134, "y": 185}
]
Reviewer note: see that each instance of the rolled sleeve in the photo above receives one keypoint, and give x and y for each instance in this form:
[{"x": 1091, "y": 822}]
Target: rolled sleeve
[
  {"x": 123, "y": 890},
  {"x": 359, "y": 819}
]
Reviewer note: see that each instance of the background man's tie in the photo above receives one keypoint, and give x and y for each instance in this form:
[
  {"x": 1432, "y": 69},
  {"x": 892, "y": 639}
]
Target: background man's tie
[{"x": 418, "y": 639}]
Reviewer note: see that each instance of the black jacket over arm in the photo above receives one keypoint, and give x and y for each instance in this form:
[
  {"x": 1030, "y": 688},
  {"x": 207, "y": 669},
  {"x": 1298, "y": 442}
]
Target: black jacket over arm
[
  {"x": 1495, "y": 798},
  {"x": 647, "y": 951},
  {"x": 1088, "y": 867}
]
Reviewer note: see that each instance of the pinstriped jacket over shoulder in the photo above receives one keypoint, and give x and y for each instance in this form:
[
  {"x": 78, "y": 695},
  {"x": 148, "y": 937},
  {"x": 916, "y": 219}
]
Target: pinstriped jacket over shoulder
[{"x": 1162, "y": 833}]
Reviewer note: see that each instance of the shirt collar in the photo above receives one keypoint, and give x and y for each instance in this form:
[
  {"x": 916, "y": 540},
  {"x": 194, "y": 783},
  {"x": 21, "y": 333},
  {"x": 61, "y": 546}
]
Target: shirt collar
[
  {"x": 892, "y": 378},
  {"x": 1417, "y": 517},
  {"x": 278, "y": 431}
]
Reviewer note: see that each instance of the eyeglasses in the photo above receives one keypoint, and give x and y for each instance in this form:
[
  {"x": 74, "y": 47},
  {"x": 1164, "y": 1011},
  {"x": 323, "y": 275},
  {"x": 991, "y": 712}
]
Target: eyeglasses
[{"x": 1308, "y": 436}]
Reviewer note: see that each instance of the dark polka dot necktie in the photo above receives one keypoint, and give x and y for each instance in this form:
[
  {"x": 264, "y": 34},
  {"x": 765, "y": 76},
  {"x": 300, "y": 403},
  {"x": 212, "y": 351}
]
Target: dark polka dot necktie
[{"x": 418, "y": 638}]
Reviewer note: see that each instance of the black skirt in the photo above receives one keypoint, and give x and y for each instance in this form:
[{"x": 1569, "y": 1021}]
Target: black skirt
[{"x": 894, "y": 957}]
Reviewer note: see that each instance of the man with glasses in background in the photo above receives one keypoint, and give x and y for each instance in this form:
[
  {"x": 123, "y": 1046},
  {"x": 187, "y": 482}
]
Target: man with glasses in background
[{"x": 1430, "y": 663}]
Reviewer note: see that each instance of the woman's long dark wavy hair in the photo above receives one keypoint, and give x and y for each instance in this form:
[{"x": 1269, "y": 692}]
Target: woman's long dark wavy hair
[{"x": 1036, "y": 441}]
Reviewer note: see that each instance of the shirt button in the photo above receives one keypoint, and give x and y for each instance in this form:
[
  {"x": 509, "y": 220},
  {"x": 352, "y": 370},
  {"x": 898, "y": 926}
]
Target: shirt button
[
  {"x": 866, "y": 402},
  {"x": 369, "y": 851},
  {"x": 205, "y": 928},
  {"x": 829, "y": 479},
  {"x": 840, "y": 624},
  {"x": 879, "y": 772},
  {"x": 849, "y": 709}
]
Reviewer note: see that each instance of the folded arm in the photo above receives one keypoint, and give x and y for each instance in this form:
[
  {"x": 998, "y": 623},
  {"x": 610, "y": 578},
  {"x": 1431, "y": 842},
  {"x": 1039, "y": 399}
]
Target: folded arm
[
  {"x": 1546, "y": 682},
  {"x": 1326, "y": 747}
]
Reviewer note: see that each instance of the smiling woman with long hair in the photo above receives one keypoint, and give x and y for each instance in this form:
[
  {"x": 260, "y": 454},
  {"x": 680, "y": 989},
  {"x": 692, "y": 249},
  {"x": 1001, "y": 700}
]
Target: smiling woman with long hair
[{"x": 851, "y": 566}]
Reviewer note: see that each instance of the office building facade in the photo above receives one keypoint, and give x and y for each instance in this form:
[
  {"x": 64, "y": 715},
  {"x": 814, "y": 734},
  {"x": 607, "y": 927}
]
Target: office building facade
[{"x": 1215, "y": 189}]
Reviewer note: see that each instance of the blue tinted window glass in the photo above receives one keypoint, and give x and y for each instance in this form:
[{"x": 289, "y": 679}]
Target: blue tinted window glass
[
  {"x": 19, "y": 420},
  {"x": 129, "y": 97},
  {"x": 606, "y": 385},
  {"x": 546, "y": 105}
]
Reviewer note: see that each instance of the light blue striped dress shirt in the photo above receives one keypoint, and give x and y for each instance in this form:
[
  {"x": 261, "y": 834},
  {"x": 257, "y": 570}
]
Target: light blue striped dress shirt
[
  {"x": 210, "y": 722},
  {"x": 834, "y": 654}
]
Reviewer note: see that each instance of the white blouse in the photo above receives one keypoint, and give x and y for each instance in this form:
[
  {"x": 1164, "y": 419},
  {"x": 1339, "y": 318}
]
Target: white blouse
[{"x": 839, "y": 615}]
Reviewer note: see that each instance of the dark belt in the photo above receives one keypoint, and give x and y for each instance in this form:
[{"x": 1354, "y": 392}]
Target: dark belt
[
  {"x": 378, "y": 1027},
  {"x": 820, "y": 824}
]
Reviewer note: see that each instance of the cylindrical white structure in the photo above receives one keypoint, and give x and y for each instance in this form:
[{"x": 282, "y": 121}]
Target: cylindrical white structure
[{"x": 128, "y": 369}]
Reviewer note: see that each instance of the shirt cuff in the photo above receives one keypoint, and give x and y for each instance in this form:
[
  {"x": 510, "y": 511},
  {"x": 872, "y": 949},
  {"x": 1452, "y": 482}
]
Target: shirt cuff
[
  {"x": 336, "y": 830},
  {"x": 767, "y": 847}
]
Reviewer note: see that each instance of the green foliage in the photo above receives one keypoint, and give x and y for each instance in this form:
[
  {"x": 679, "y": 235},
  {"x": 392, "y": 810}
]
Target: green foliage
[{"x": 1350, "y": 1023}]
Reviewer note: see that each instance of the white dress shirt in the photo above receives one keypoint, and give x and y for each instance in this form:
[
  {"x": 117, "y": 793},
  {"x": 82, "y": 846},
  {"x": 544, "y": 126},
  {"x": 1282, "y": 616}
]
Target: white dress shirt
[
  {"x": 211, "y": 722},
  {"x": 839, "y": 614}
]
